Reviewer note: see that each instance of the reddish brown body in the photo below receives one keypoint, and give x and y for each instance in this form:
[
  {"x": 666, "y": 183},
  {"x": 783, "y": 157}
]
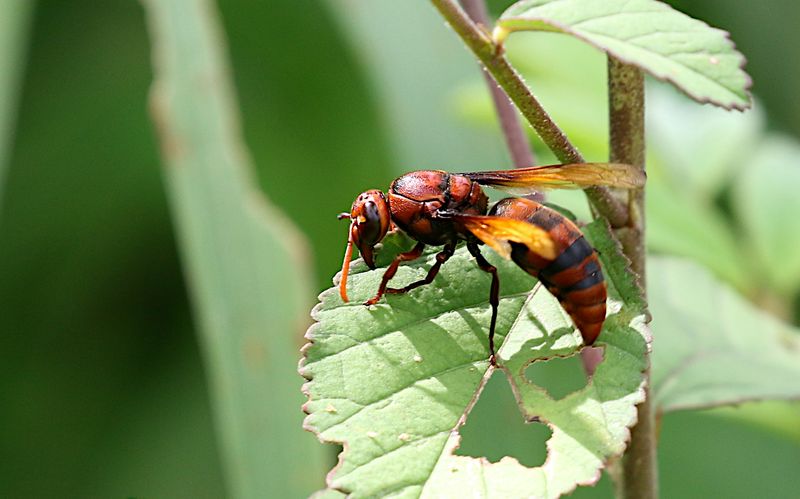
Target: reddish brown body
[
  {"x": 574, "y": 276},
  {"x": 440, "y": 208},
  {"x": 416, "y": 199}
]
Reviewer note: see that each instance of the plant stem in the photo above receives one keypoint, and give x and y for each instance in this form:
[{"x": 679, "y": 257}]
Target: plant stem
[
  {"x": 517, "y": 141},
  {"x": 481, "y": 44},
  {"x": 639, "y": 477},
  {"x": 626, "y": 115}
]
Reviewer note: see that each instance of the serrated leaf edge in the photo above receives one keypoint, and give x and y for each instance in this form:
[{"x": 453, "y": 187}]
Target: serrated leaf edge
[
  {"x": 453, "y": 442},
  {"x": 502, "y": 31}
]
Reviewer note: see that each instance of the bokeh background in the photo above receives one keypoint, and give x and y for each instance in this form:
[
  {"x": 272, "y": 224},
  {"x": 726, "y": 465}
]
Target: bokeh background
[{"x": 101, "y": 375}]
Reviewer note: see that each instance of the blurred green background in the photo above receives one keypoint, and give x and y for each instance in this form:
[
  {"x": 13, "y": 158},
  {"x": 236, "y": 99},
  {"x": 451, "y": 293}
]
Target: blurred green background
[{"x": 102, "y": 381}]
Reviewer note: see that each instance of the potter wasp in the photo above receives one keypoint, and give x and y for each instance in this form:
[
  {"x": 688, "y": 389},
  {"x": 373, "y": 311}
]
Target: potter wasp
[{"x": 438, "y": 208}]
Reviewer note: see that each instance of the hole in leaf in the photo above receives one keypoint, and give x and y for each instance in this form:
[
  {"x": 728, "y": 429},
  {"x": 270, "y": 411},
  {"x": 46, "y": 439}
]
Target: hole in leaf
[
  {"x": 495, "y": 428},
  {"x": 332, "y": 458},
  {"x": 560, "y": 376}
]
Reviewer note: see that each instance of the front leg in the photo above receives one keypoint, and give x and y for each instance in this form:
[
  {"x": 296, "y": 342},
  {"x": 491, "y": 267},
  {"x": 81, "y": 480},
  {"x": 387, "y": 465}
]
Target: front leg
[
  {"x": 441, "y": 257},
  {"x": 415, "y": 253},
  {"x": 494, "y": 294}
]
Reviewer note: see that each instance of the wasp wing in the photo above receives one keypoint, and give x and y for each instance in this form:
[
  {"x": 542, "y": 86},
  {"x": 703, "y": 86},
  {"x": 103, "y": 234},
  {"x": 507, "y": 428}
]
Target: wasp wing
[
  {"x": 569, "y": 176},
  {"x": 499, "y": 232}
]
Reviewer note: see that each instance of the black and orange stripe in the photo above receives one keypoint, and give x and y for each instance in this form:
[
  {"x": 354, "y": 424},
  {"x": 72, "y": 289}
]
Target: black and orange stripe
[{"x": 574, "y": 276}]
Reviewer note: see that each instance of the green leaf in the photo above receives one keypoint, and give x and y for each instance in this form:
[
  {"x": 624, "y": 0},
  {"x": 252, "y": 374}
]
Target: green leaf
[
  {"x": 712, "y": 347},
  {"x": 569, "y": 78},
  {"x": 777, "y": 416},
  {"x": 15, "y": 18},
  {"x": 698, "y": 59},
  {"x": 681, "y": 225},
  {"x": 245, "y": 262},
  {"x": 767, "y": 204},
  {"x": 393, "y": 383},
  {"x": 702, "y": 158},
  {"x": 398, "y": 42}
]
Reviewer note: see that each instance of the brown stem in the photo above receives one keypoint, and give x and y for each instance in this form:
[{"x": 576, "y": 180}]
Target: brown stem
[
  {"x": 639, "y": 477},
  {"x": 481, "y": 44}
]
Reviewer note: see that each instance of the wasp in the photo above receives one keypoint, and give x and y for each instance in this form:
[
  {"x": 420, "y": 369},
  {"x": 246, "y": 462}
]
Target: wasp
[{"x": 438, "y": 208}]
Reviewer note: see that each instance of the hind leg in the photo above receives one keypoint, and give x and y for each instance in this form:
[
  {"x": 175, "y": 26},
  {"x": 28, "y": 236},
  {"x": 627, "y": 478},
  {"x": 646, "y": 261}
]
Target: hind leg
[{"x": 494, "y": 294}]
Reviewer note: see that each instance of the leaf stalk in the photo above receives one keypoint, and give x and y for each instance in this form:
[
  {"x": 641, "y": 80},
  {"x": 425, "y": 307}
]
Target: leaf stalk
[
  {"x": 639, "y": 476},
  {"x": 491, "y": 55}
]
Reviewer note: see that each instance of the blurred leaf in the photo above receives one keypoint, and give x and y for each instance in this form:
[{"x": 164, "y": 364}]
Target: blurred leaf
[
  {"x": 680, "y": 225},
  {"x": 712, "y": 347},
  {"x": 668, "y": 44},
  {"x": 93, "y": 310},
  {"x": 765, "y": 32},
  {"x": 780, "y": 417},
  {"x": 766, "y": 201},
  {"x": 162, "y": 436},
  {"x": 244, "y": 261},
  {"x": 703, "y": 456},
  {"x": 323, "y": 118},
  {"x": 414, "y": 63},
  {"x": 14, "y": 23},
  {"x": 701, "y": 146},
  {"x": 373, "y": 371},
  {"x": 569, "y": 79}
]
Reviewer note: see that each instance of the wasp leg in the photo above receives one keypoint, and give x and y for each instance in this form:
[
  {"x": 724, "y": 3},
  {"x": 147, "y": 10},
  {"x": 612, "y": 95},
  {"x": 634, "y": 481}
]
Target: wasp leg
[
  {"x": 494, "y": 294},
  {"x": 392, "y": 270},
  {"x": 441, "y": 257}
]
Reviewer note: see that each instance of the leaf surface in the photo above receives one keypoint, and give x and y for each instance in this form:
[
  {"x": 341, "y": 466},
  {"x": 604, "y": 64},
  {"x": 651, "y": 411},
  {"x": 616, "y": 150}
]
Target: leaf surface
[
  {"x": 393, "y": 383},
  {"x": 703, "y": 157},
  {"x": 696, "y": 58},
  {"x": 767, "y": 204},
  {"x": 681, "y": 225},
  {"x": 15, "y": 17},
  {"x": 712, "y": 347}
]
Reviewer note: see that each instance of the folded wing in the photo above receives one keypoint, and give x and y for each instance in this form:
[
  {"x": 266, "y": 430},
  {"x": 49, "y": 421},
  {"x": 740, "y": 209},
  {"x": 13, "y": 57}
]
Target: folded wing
[
  {"x": 570, "y": 176},
  {"x": 499, "y": 232}
]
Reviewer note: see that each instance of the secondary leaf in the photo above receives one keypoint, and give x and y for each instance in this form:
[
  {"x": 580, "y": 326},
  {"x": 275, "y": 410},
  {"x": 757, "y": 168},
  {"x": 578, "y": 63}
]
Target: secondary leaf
[
  {"x": 15, "y": 16},
  {"x": 698, "y": 59},
  {"x": 243, "y": 259},
  {"x": 713, "y": 347},
  {"x": 766, "y": 202},
  {"x": 700, "y": 159},
  {"x": 392, "y": 383},
  {"x": 681, "y": 225},
  {"x": 397, "y": 42}
]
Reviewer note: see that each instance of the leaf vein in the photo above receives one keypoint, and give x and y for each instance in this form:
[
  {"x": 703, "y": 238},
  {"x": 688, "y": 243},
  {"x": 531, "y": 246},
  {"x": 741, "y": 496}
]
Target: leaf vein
[
  {"x": 384, "y": 398},
  {"x": 408, "y": 325}
]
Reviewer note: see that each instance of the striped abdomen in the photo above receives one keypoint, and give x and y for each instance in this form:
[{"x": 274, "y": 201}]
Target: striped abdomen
[{"x": 574, "y": 277}]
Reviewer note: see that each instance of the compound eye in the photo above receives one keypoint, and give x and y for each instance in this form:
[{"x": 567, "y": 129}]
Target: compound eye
[{"x": 369, "y": 228}]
